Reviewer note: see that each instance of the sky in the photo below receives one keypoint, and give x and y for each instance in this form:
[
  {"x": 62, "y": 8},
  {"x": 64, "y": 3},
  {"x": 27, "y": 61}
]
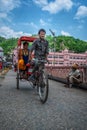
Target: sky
[{"x": 26, "y": 17}]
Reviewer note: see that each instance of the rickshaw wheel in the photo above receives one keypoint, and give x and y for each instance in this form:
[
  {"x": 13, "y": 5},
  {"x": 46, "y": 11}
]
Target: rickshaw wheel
[{"x": 17, "y": 80}]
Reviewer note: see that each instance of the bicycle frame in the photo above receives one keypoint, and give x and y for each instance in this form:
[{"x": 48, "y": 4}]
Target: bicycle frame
[{"x": 41, "y": 80}]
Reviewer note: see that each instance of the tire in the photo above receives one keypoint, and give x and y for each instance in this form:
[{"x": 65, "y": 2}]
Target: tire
[
  {"x": 43, "y": 88},
  {"x": 17, "y": 80}
]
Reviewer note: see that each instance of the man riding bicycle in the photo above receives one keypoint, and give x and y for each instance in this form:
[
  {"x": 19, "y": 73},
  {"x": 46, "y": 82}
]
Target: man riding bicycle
[{"x": 40, "y": 49}]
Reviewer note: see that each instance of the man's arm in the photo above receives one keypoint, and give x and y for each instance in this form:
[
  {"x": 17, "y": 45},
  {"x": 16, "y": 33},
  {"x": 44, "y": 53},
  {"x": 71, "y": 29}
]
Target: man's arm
[
  {"x": 76, "y": 74},
  {"x": 32, "y": 49}
]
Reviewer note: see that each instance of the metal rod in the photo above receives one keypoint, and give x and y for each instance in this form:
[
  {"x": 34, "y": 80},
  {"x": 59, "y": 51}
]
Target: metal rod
[{"x": 53, "y": 43}]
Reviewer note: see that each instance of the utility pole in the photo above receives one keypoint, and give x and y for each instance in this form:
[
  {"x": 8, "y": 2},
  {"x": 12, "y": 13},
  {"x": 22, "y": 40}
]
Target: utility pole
[{"x": 54, "y": 41}]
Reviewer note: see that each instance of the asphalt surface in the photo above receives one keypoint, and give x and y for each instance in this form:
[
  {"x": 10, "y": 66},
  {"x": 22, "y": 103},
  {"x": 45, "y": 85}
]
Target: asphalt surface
[{"x": 65, "y": 109}]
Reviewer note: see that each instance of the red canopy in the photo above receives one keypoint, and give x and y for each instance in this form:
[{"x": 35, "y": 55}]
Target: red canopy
[{"x": 25, "y": 38}]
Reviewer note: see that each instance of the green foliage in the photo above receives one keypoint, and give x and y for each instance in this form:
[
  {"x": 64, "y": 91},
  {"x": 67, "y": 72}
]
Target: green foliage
[
  {"x": 8, "y": 44},
  {"x": 62, "y": 42},
  {"x": 58, "y": 43},
  {"x": 2, "y": 39}
]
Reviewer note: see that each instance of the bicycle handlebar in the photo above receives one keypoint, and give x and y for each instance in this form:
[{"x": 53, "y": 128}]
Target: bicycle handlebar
[{"x": 41, "y": 61}]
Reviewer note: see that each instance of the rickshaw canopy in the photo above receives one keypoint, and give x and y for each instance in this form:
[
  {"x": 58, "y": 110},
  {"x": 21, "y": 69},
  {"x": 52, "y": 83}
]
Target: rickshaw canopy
[{"x": 26, "y": 38}]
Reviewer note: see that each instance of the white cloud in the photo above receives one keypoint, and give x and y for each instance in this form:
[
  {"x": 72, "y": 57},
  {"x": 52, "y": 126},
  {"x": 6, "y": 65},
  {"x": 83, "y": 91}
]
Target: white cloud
[
  {"x": 33, "y": 25},
  {"x": 27, "y": 3},
  {"x": 40, "y": 2},
  {"x": 42, "y": 22},
  {"x": 8, "y": 5},
  {"x": 55, "y": 6},
  {"x": 29, "y": 24},
  {"x": 3, "y": 15},
  {"x": 65, "y": 33},
  {"x": 81, "y": 12},
  {"x": 8, "y": 32}
]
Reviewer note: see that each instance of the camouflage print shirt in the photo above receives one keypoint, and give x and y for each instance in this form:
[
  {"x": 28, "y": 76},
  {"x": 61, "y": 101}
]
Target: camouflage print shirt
[{"x": 40, "y": 48}]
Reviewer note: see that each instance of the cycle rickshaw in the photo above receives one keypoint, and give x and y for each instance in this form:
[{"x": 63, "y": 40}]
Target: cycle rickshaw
[{"x": 41, "y": 77}]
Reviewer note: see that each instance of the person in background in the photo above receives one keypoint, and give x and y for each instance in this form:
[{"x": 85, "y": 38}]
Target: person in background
[
  {"x": 40, "y": 47},
  {"x": 23, "y": 57},
  {"x": 24, "y": 53},
  {"x": 73, "y": 76}
]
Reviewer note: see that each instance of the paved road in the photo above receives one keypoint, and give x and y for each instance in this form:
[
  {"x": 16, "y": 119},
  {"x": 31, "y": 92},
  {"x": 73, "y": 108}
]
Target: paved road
[{"x": 66, "y": 109}]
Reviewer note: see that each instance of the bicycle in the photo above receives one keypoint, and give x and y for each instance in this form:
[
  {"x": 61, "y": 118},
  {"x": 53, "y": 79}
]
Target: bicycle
[{"x": 41, "y": 81}]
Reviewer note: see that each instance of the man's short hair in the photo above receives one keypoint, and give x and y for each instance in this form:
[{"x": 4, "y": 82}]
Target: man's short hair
[{"x": 41, "y": 30}]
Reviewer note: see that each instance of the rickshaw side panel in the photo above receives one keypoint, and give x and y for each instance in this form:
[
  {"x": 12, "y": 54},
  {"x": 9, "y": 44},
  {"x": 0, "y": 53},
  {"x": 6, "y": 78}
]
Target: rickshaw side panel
[{"x": 15, "y": 53}]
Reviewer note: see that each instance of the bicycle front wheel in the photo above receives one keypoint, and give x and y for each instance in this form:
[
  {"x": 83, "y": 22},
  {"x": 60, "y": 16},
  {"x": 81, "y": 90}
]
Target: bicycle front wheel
[{"x": 43, "y": 88}]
